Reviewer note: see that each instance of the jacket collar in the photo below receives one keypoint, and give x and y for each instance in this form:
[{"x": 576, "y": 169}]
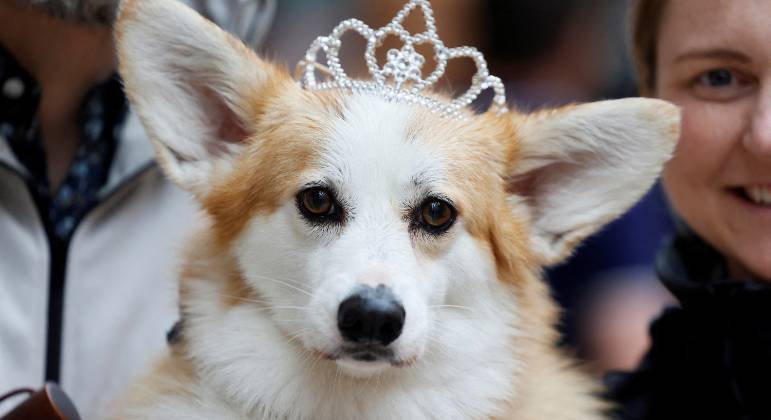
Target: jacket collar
[
  {"x": 9, "y": 69},
  {"x": 697, "y": 275},
  {"x": 8, "y": 159},
  {"x": 133, "y": 155}
]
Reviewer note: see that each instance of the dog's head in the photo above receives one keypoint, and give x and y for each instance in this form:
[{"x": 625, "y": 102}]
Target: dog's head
[{"x": 371, "y": 230}]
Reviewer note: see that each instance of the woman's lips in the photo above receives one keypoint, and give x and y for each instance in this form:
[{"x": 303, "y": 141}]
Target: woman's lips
[{"x": 759, "y": 195}]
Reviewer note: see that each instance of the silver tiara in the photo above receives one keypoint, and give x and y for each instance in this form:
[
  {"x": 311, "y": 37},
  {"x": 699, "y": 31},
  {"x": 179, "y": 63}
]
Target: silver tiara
[{"x": 401, "y": 78}]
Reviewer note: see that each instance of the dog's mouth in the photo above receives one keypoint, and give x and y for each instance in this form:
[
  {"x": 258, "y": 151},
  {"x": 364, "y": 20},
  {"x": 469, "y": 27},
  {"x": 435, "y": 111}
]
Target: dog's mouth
[{"x": 367, "y": 354}]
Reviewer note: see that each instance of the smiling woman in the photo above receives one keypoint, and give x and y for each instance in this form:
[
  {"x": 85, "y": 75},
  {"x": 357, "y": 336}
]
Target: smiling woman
[
  {"x": 715, "y": 62},
  {"x": 713, "y": 58}
]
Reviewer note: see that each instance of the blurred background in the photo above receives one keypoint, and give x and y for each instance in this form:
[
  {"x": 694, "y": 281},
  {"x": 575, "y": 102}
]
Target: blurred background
[{"x": 548, "y": 53}]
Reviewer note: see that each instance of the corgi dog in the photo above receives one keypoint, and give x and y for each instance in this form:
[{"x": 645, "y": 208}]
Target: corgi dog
[{"x": 364, "y": 257}]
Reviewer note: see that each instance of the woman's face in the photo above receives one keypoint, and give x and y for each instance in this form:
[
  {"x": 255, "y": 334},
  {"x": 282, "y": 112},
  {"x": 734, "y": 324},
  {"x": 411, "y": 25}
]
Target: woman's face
[{"x": 714, "y": 60}]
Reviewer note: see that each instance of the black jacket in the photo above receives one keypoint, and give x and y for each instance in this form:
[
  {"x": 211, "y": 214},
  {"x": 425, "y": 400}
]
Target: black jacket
[{"x": 711, "y": 357}]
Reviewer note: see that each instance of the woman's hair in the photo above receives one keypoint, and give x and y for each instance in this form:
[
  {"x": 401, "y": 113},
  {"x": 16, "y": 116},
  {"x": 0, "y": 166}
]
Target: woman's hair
[
  {"x": 248, "y": 19},
  {"x": 95, "y": 12},
  {"x": 646, "y": 20}
]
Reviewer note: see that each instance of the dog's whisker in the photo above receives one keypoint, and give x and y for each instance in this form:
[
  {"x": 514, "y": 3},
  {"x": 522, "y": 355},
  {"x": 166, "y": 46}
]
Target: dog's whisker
[
  {"x": 300, "y": 308},
  {"x": 263, "y": 302},
  {"x": 296, "y": 282},
  {"x": 439, "y": 351},
  {"x": 245, "y": 299},
  {"x": 205, "y": 265},
  {"x": 295, "y": 338},
  {"x": 440, "y": 346},
  {"x": 282, "y": 280},
  {"x": 451, "y": 307},
  {"x": 298, "y": 332},
  {"x": 315, "y": 358},
  {"x": 289, "y": 285},
  {"x": 337, "y": 382}
]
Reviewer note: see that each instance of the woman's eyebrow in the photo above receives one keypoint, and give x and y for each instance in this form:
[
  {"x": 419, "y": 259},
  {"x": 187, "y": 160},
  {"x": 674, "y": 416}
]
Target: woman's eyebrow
[{"x": 713, "y": 53}]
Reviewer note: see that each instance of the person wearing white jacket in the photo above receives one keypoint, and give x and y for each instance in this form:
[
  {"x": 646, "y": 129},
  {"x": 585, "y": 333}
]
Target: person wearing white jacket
[{"x": 89, "y": 228}]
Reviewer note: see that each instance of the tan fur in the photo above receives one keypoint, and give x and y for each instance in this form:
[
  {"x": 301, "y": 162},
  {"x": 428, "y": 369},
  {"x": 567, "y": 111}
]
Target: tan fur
[
  {"x": 477, "y": 148},
  {"x": 266, "y": 174},
  {"x": 170, "y": 377},
  {"x": 553, "y": 386}
]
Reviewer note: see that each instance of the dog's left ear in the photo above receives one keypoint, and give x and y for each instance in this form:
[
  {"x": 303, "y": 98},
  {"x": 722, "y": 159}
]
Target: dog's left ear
[
  {"x": 197, "y": 89},
  {"x": 579, "y": 167}
]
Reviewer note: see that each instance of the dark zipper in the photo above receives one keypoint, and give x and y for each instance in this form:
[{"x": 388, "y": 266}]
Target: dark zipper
[{"x": 58, "y": 253}]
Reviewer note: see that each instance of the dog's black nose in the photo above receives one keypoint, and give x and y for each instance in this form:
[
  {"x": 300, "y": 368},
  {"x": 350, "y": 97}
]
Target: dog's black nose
[{"x": 371, "y": 316}]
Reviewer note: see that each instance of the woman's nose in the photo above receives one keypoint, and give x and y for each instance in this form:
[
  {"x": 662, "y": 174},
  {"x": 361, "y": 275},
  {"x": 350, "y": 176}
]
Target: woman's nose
[{"x": 758, "y": 138}]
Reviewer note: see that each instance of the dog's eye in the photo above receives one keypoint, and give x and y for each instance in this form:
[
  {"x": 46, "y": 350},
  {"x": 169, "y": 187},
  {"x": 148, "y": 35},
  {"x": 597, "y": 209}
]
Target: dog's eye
[
  {"x": 316, "y": 202},
  {"x": 437, "y": 215}
]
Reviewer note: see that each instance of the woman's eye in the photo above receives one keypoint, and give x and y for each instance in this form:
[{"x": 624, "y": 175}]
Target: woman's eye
[
  {"x": 316, "y": 203},
  {"x": 722, "y": 85},
  {"x": 437, "y": 215},
  {"x": 717, "y": 78}
]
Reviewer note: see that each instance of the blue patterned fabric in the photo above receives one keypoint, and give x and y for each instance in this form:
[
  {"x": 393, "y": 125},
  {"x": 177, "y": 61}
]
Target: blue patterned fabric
[{"x": 99, "y": 118}]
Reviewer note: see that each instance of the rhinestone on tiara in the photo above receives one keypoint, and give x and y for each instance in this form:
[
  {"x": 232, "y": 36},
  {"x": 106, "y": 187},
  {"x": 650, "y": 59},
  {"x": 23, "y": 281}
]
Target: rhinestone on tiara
[{"x": 401, "y": 77}]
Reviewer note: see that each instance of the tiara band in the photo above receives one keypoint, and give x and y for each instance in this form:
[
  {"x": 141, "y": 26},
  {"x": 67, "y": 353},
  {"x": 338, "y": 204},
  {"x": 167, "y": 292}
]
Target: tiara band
[{"x": 401, "y": 77}]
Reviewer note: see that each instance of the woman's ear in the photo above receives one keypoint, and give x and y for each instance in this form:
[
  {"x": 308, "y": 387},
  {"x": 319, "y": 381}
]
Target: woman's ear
[{"x": 581, "y": 166}]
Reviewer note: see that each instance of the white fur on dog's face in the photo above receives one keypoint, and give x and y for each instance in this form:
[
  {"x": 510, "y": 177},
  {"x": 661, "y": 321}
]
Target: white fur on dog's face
[{"x": 380, "y": 172}]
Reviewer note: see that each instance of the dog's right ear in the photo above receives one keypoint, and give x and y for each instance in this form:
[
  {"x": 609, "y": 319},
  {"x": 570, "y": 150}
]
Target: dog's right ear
[
  {"x": 197, "y": 89},
  {"x": 581, "y": 166}
]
